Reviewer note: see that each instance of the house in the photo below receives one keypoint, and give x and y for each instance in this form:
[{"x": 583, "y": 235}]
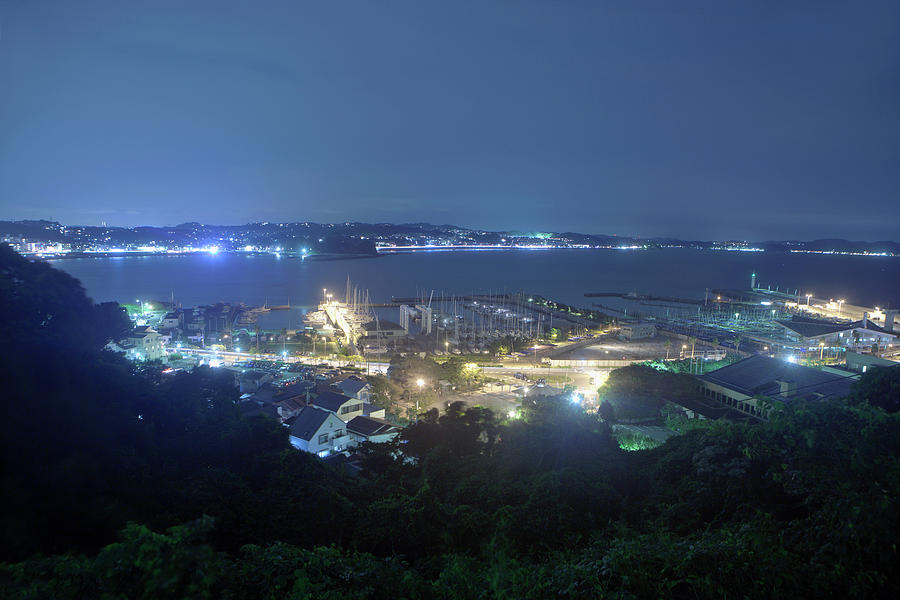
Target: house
[
  {"x": 318, "y": 432},
  {"x": 271, "y": 392},
  {"x": 288, "y": 407},
  {"x": 343, "y": 406},
  {"x": 375, "y": 412},
  {"x": 286, "y": 400},
  {"x": 366, "y": 429},
  {"x": 142, "y": 343},
  {"x": 252, "y": 381},
  {"x": 355, "y": 387},
  {"x": 252, "y": 409},
  {"x": 170, "y": 321},
  {"x": 739, "y": 385}
]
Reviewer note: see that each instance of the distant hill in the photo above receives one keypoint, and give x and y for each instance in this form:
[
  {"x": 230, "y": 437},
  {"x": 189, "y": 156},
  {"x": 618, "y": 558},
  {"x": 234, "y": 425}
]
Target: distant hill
[{"x": 361, "y": 238}]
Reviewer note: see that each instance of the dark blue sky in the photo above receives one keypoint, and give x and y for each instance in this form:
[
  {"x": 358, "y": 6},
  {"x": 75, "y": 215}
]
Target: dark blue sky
[{"x": 757, "y": 119}]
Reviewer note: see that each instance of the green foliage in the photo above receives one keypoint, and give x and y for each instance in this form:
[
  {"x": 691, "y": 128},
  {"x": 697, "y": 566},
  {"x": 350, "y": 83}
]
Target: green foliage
[
  {"x": 880, "y": 387},
  {"x": 640, "y": 391},
  {"x": 632, "y": 441}
]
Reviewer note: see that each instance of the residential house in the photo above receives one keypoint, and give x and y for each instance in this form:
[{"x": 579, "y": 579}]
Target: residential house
[
  {"x": 343, "y": 406},
  {"x": 142, "y": 343},
  {"x": 355, "y": 387},
  {"x": 319, "y": 432},
  {"x": 366, "y": 429},
  {"x": 253, "y": 380},
  {"x": 287, "y": 400}
]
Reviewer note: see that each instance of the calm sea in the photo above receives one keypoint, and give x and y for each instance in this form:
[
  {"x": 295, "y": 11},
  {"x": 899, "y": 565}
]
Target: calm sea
[{"x": 560, "y": 274}]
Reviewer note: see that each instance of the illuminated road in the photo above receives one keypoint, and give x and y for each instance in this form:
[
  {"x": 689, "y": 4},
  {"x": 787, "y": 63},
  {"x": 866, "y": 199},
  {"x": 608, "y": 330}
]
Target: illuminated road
[{"x": 585, "y": 380}]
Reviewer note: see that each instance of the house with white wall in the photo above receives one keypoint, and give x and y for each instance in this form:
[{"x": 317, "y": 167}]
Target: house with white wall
[
  {"x": 355, "y": 387},
  {"x": 319, "y": 432}
]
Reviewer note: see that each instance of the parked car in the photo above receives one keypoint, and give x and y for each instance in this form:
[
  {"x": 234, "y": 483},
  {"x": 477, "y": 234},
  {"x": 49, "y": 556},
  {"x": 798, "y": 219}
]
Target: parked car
[{"x": 520, "y": 375}]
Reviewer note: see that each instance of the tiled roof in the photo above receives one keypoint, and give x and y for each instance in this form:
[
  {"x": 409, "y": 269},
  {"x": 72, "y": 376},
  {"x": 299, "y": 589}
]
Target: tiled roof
[
  {"x": 331, "y": 401},
  {"x": 352, "y": 385},
  {"x": 367, "y": 426},
  {"x": 307, "y": 423}
]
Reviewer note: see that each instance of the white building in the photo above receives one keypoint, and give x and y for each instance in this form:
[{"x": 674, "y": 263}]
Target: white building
[
  {"x": 637, "y": 331},
  {"x": 143, "y": 343},
  {"x": 319, "y": 432},
  {"x": 809, "y": 334}
]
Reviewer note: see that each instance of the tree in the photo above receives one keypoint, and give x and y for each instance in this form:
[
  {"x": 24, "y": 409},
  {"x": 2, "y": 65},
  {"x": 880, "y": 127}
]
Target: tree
[{"x": 879, "y": 386}]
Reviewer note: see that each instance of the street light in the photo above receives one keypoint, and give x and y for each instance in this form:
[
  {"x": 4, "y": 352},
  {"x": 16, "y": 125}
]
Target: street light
[
  {"x": 419, "y": 382},
  {"x": 840, "y": 306},
  {"x": 808, "y": 296}
]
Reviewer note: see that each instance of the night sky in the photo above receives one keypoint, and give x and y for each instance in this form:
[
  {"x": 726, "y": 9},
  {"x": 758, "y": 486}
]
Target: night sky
[{"x": 757, "y": 120}]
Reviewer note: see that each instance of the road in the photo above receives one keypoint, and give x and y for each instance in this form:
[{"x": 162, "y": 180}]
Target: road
[{"x": 501, "y": 395}]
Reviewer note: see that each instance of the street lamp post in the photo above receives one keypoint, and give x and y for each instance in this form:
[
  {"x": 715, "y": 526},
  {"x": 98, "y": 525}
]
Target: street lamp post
[
  {"x": 420, "y": 383},
  {"x": 808, "y": 296}
]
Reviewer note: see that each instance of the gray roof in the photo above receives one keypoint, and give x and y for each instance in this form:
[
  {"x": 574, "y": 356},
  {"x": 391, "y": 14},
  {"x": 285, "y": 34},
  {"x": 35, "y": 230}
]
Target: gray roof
[
  {"x": 381, "y": 325},
  {"x": 368, "y": 409},
  {"x": 367, "y": 426},
  {"x": 807, "y": 327},
  {"x": 331, "y": 400},
  {"x": 289, "y": 403},
  {"x": 352, "y": 384},
  {"x": 253, "y": 409},
  {"x": 761, "y": 376},
  {"x": 253, "y": 375},
  {"x": 308, "y": 422}
]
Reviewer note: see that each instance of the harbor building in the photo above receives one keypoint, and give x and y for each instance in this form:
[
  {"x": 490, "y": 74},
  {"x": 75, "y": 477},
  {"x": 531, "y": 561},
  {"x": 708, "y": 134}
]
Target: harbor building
[
  {"x": 810, "y": 332},
  {"x": 637, "y": 331},
  {"x": 745, "y": 384}
]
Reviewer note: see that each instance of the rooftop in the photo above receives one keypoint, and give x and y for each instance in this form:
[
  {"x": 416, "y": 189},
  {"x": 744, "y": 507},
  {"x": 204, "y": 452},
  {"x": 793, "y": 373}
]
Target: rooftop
[
  {"x": 307, "y": 423},
  {"x": 331, "y": 401},
  {"x": 763, "y": 376},
  {"x": 367, "y": 426},
  {"x": 381, "y": 325},
  {"x": 808, "y": 327},
  {"x": 352, "y": 384}
]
